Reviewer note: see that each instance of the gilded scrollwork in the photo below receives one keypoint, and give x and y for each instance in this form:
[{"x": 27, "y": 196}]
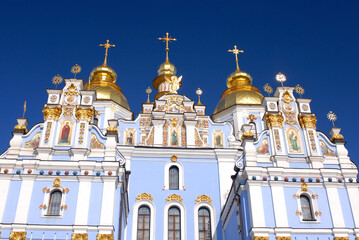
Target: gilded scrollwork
[
  {"x": 341, "y": 238},
  {"x": 260, "y": 238},
  {"x": 71, "y": 90},
  {"x": 79, "y": 236},
  {"x": 337, "y": 136},
  {"x": 17, "y": 235},
  {"x": 203, "y": 198},
  {"x": 304, "y": 187},
  {"x": 111, "y": 129},
  {"x": 308, "y": 121},
  {"x": 84, "y": 114},
  {"x": 283, "y": 238},
  {"x": 57, "y": 182},
  {"x": 21, "y": 127},
  {"x": 104, "y": 237},
  {"x": 144, "y": 196},
  {"x": 174, "y": 197},
  {"x": 274, "y": 120},
  {"x": 247, "y": 134},
  {"x": 52, "y": 113}
]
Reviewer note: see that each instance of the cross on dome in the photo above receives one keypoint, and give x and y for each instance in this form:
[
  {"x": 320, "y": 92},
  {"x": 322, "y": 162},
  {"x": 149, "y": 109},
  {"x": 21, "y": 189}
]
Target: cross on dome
[
  {"x": 167, "y": 39},
  {"x": 236, "y": 51},
  {"x": 107, "y": 45}
]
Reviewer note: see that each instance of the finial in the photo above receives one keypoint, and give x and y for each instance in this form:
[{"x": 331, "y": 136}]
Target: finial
[
  {"x": 268, "y": 89},
  {"x": 199, "y": 93},
  {"x": 332, "y": 117},
  {"x": 107, "y": 45},
  {"x": 167, "y": 39},
  {"x": 280, "y": 77},
  {"x": 76, "y": 69},
  {"x": 23, "y": 114},
  {"x": 148, "y": 91},
  {"x": 56, "y": 80},
  {"x": 236, "y": 51},
  {"x": 300, "y": 90}
]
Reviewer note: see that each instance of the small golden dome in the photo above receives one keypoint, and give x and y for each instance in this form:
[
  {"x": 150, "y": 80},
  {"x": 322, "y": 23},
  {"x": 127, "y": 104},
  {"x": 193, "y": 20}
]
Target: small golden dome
[{"x": 167, "y": 68}]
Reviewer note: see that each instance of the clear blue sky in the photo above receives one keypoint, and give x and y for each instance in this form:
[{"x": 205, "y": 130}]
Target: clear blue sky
[{"x": 315, "y": 43}]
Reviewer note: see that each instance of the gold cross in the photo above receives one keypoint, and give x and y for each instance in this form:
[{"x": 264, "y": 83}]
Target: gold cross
[
  {"x": 107, "y": 45},
  {"x": 236, "y": 51},
  {"x": 167, "y": 39}
]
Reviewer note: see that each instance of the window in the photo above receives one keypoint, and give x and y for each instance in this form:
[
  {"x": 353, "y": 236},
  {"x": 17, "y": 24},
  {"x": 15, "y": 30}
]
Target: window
[
  {"x": 54, "y": 204},
  {"x": 204, "y": 224},
  {"x": 174, "y": 224},
  {"x": 174, "y": 178},
  {"x": 306, "y": 208},
  {"x": 143, "y": 223}
]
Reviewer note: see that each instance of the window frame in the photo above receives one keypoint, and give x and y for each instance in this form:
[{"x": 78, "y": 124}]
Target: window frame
[
  {"x": 313, "y": 205},
  {"x": 212, "y": 212},
  {"x": 182, "y": 209},
  {"x": 45, "y": 206},
  {"x": 136, "y": 207},
  {"x": 173, "y": 230},
  {"x": 50, "y": 203},
  {"x": 180, "y": 176},
  {"x": 143, "y": 216},
  {"x": 175, "y": 176}
]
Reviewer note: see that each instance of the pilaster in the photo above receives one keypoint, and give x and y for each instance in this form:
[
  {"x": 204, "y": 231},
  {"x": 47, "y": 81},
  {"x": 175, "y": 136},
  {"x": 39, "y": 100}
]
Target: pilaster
[
  {"x": 23, "y": 204},
  {"x": 158, "y": 132},
  {"x": 190, "y": 132}
]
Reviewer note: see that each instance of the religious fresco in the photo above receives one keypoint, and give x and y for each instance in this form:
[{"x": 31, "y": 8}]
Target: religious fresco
[
  {"x": 325, "y": 150},
  {"x": 130, "y": 137},
  {"x": 264, "y": 147},
  {"x": 294, "y": 141},
  {"x": 218, "y": 139},
  {"x": 65, "y": 133},
  {"x": 34, "y": 142},
  {"x": 174, "y": 137},
  {"x": 95, "y": 143}
]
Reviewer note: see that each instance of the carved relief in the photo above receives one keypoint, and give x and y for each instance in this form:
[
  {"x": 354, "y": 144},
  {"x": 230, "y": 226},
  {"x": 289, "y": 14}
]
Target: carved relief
[
  {"x": 84, "y": 114},
  {"x": 203, "y": 198},
  {"x": 144, "y": 196},
  {"x": 104, "y": 237},
  {"x": 52, "y": 113},
  {"x": 308, "y": 121},
  {"x": 174, "y": 197},
  {"x": 274, "y": 120},
  {"x": 79, "y": 236},
  {"x": 17, "y": 235}
]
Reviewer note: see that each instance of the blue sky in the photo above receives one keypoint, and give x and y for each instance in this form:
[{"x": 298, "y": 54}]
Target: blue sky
[{"x": 315, "y": 43}]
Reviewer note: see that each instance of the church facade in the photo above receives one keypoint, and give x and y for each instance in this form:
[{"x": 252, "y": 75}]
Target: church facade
[{"x": 257, "y": 168}]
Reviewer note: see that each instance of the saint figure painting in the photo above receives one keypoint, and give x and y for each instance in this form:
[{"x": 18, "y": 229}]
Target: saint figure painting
[
  {"x": 174, "y": 138},
  {"x": 65, "y": 133},
  {"x": 294, "y": 142}
]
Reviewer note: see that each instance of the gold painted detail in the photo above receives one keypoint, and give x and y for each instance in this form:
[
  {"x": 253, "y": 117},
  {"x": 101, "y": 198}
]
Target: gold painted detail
[
  {"x": 174, "y": 197},
  {"x": 268, "y": 89},
  {"x": 104, "y": 237},
  {"x": 71, "y": 90},
  {"x": 286, "y": 97},
  {"x": 312, "y": 140},
  {"x": 251, "y": 117},
  {"x": 337, "y": 136},
  {"x": 82, "y": 132},
  {"x": 203, "y": 198},
  {"x": 174, "y": 158},
  {"x": 167, "y": 39},
  {"x": 260, "y": 238},
  {"x": 17, "y": 235},
  {"x": 79, "y": 236},
  {"x": 144, "y": 196},
  {"x": 174, "y": 83},
  {"x": 84, "y": 114},
  {"x": 277, "y": 139},
  {"x": 342, "y": 238},
  {"x": 76, "y": 69},
  {"x": 299, "y": 89},
  {"x": 47, "y": 132},
  {"x": 57, "y": 182},
  {"x": 247, "y": 134},
  {"x": 52, "y": 113},
  {"x": 332, "y": 117},
  {"x": 283, "y": 238},
  {"x": 56, "y": 80},
  {"x": 308, "y": 121},
  {"x": 236, "y": 51},
  {"x": 304, "y": 187},
  {"x": 111, "y": 129},
  {"x": 21, "y": 127},
  {"x": 274, "y": 120}
]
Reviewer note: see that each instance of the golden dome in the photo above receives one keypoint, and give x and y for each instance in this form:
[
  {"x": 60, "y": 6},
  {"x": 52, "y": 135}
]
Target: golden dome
[
  {"x": 103, "y": 81},
  {"x": 167, "y": 68}
]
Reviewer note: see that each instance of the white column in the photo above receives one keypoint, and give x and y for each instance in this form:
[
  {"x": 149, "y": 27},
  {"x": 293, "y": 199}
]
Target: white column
[
  {"x": 353, "y": 193},
  {"x": 108, "y": 203},
  {"x": 83, "y": 202},
  {"x": 23, "y": 204},
  {"x": 256, "y": 204},
  {"x": 190, "y": 132},
  {"x": 335, "y": 206},
  {"x": 4, "y": 189},
  {"x": 278, "y": 198},
  {"x": 158, "y": 132}
]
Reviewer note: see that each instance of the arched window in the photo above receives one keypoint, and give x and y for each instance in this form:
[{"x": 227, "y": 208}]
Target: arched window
[
  {"x": 174, "y": 224},
  {"x": 306, "y": 208},
  {"x": 143, "y": 223},
  {"x": 54, "y": 204},
  {"x": 174, "y": 178},
  {"x": 204, "y": 224}
]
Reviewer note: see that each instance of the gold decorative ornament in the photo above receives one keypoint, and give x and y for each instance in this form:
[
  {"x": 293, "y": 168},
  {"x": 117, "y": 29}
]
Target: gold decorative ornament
[
  {"x": 283, "y": 238},
  {"x": 104, "y": 237},
  {"x": 274, "y": 120},
  {"x": 174, "y": 197},
  {"x": 247, "y": 134},
  {"x": 23, "y": 114},
  {"x": 57, "y": 182},
  {"x": 79, "y": 236},
  {"x": 148, "y": 91},
  {"x": 52, "y": 113},
  {"x": 260, "y": 238},
  {"x": 280, "y": 77},
  {"x": 144, "y": 196},
  {"x": 304, "y": 187},
  {"x": 342, "y": 238},
  {"x": 299, "y": 90},
  {"x": 236, "y": 51},
  {"x": 268, "y": 89},
  {"x": 174, "y": 122},
  {"x": 21, "y": 127},
  {"x": 56, "y": 80},
  {"x": 71, "y": 90},
  {"x": 76, "y": 69},
  {"x": 17, "y": 235},
  {"x": 174, "y": 158},
  {"x": 199, "y": 93},
  {"x": 337, "y": 136},
  {"x": 111, "y": 129},
  {"x": 174, "y": 83},
  {"x": 84, "y": 114},
  {"x": 286, "y": 97},
  {"x": 203, "y": 198},
  {"x": 107, "y": 45},
  {"x": 332, "y": 117},
  {"x": 167, "y": 39},
  {"x": 308, "y": 121},
  {"x": 251, "y": 117}
]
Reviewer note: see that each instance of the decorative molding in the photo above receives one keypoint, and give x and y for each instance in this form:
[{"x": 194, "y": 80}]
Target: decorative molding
[
  {"x": 71, "y": 90},
  {"x": 111, "y": 129},
  {"x": 84, "y": 114},
  {"x": 104, "y": 237},
  {"x": 308, "y": 121},
  {"x": 79, "y": 236},
  {"x": 52, "y": 113},
  {"x": 343, "y": 238},
  {"x": 17, "y": 235},
  {"x": 203, "y": 198},
  {"x": 283, "y": 238},
  {"x": 304, "y": 187},
  {"x": 260, "y": 238},
  {"x": 174, "y": 158},
  {"x": 144, "y": 196},
  {"x": 274, "y": 120},
  {"x": 337, "y": 136},
  {"x": 174, "y": 197},
  {"x": 21, "y": 127},
  {"x": 247, "y": 134},
  {"x": 57, "y": 182},
  {"x": 286, "y": 97}
]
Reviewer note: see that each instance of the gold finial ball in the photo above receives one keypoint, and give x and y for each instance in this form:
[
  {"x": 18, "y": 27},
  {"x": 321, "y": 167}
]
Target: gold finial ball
[
  {"x": 76, "y": 69},
  {"x": 57, "y": 79},
  {"x": 331, "y": 116},
  {"x": 148, "y": 90},
  {"x": 199, "y": 92},
  {"x": 268, "y": 89},
  {"x": 280, "y": 77},
  {"x": 299, "y": 89},
  {"x": 174, "y": 158}
]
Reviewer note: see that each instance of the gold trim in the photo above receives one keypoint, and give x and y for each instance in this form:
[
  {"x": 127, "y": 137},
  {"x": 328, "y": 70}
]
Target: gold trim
[
  {"x": 20, "y": 127},
  {"x": 260, "y": 238},
  {"x": 203, "y": 198},
  {"x": 247, "y": 134},
  {"x": 111, "y": 129},
  {"x": 57, "y": 182},
  {"x": 308, "y": 121},
  {"x": 283, "y": 238},
  {"x": 144, "y": 196},
  {"x": 174, "y": 197},
  {"x": 174, "y": 158},
  {"x": 304, "y": 187},
  {"x": 104, "y": 237},
  {"x": 84, "y": 114},
  {"x": 336, "y": 137},
  {"x": 286, "y": 97},
  {"x": 71, "y": 90},
  {"x": 17, "y": 235},
  {"x": 343, "y": 238},
  {"x": 274, "y": 120},
  {"x": 79, "y": 236},
  {"x": 52, "y": 113}
]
